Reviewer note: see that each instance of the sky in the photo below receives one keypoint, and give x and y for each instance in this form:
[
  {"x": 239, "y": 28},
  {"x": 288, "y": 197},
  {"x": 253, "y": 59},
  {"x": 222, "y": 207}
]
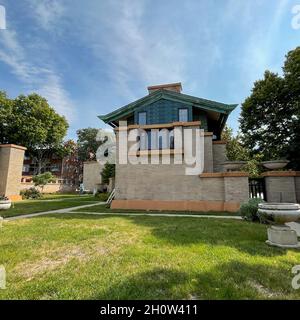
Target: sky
[{"x": 90, "y": 57}]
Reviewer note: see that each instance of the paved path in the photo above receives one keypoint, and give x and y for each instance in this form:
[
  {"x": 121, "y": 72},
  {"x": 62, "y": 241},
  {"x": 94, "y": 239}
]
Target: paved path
[
  {"x": 65, "y": 210},
  {"x": 161, "y": 215}
]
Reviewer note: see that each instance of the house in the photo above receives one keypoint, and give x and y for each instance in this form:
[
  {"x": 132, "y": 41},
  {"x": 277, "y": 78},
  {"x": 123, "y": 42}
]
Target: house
[
  {"x": 66, "y": 171},
  {"x": 166, "y": 186}
]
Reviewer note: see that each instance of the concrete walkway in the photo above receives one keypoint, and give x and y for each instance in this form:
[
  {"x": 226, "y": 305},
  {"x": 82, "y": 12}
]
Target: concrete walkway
[
  {"x": 65, "y": 210},
  {"x": 160, "y": 215}
]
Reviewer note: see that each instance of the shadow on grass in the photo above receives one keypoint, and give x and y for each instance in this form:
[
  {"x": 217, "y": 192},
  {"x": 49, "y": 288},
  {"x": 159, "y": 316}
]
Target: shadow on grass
[
  {"x": 245, "y": 236},
  {"x": 234, "y": 280},
  {"x": 158, "y": 283}
]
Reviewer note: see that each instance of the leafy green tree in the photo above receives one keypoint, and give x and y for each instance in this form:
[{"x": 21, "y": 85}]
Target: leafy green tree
[
  {"x": 270, "y": 116},
  {"x": 87, "y": 143},
  {"x": 31, "y": 122},
  {"x": 235, "y": 151},
  {"x": 42, "y": 179},
  {"x": 108, "y": 172}
]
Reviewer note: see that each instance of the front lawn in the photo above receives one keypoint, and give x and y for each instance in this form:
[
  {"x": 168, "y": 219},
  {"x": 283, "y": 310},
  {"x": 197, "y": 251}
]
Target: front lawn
[
  {"x": 34, "y": 206},
  {"x": 103, "y": 208},
  {"x": 81, "y": 256}
]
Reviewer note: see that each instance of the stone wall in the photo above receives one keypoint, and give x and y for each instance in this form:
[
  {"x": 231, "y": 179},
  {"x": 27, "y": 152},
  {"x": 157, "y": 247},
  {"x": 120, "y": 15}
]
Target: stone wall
[
  {"x": 282, "y": 186},
  {"x": 219, "y": 155},
  {"x": 11, "y": 163},
  {"x": 50, "y": 187},
  {"x": 92, "y": 175}
]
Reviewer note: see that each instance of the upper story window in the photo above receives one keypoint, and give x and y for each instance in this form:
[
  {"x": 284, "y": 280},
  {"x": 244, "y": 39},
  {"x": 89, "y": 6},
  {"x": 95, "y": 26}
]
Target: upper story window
[
  {"x": 142, "y": 118},
  {"x": 183, "y": 115}
]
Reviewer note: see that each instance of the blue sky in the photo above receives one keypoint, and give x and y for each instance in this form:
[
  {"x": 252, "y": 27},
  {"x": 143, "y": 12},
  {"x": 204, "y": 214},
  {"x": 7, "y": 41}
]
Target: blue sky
[{"x": 89, "y": 57}]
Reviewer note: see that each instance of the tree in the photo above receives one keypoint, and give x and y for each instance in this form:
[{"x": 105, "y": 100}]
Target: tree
[
  {"x": 235, "y": 151},
  {"x": 108, "y": 172},
  {"x": 72, "y": 166},
  {"x": 42, "y": 179},
  {"x": 31, "y": 122},
  {"x": 87, "y": 143},
  {"x": 270, "y": 116}
]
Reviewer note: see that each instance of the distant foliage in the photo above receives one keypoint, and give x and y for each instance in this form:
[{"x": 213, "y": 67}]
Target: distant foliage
[
  {"x": 42, "y": 179},
  {"x": 102, "y": 196},
  {"x": 31, "y": 193},
  {"x": 108, "y": 172},
  {"x": 249, "y": 209},
  {"x": 236, "y": 151}
]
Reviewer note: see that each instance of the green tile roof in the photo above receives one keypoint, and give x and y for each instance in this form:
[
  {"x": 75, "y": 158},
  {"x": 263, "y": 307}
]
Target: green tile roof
[{"x": 169, "y": 95}]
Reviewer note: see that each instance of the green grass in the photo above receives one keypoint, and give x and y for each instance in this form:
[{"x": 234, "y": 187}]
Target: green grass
[
  {"x": 79, "y": 256},
  {"x": 34, "y": 206},
  {"x": 102, "y": 208}
]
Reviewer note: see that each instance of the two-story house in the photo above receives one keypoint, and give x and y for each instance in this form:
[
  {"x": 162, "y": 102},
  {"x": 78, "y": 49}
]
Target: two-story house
[{"x": 166, "y": 186}]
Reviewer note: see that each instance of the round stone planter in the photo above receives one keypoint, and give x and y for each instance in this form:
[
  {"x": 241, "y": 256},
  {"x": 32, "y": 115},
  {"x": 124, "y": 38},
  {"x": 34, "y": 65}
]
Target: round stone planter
[
  {"x": 280, "y": 213},
  {"x": 275, "y": 164},
  {"x": 233, "y": 165},
  {"x": 5, "y": 204}
]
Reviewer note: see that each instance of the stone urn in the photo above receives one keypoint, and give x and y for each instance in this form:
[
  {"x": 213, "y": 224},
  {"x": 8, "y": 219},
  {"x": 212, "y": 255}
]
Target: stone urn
[
  {"x": 279, "y": 234},
  {"x": 233, "y": 165},
  {"x": 275, "y": 164},
  {"x": 5, "y": 204}
]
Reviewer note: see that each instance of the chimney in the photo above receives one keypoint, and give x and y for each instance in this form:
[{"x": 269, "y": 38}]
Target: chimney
[{"x": 169, "y": 86}]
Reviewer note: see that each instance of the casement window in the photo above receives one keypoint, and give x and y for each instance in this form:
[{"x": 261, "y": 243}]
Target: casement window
[
  {"x": 183, "y": 115},
  {"x": 142, "y": 118}
]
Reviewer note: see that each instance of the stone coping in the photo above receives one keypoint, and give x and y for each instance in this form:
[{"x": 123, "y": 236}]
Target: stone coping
[
  {"x": 224, "y": 174},
  {"x": 281, "y": 174},
  {"x": 219, "y": 142},
  {"x": 13, "y": 146},
  {"x": 162, "y": 126},
  {"x": 155, "y": 152}
]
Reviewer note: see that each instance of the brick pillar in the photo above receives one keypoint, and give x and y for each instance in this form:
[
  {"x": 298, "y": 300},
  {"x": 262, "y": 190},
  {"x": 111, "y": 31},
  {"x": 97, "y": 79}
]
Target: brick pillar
[
  {"x": 11, "y": 164},
  {"x": 236, "y": 186},
  {"x": 282, "y": 186}
]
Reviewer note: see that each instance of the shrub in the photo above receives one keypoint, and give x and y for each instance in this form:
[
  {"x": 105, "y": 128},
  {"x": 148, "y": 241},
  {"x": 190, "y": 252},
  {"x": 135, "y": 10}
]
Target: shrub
[
  {"x": 42, "y": 179},
  {"x": 102, "y": 196},
  {"x": 249, "y": 209},
  {"x": 31, "y": 193}
]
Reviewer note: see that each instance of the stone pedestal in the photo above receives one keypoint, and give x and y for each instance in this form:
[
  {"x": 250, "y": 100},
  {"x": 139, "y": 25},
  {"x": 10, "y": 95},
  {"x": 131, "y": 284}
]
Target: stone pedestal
[
  {"x": 283, "y": 237},
  {"x": 11, "y": 163}
]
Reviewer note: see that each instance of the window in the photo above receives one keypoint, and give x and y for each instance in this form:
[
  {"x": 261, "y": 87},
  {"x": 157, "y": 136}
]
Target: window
[
  {"x": 142, "y": 118},
  {"x": 183, "y": 115}
]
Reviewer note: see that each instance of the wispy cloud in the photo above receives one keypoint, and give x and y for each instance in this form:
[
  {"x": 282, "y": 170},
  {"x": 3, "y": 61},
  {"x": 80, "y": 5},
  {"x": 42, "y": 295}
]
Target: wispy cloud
[
  {"x": 47, "y": 12},
  {"x": 41, "y": 79},
  {"x": 137, "y": 53}
]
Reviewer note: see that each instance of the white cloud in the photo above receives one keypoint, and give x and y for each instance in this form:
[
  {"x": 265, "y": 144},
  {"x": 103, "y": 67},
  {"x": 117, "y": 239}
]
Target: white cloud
[
  {"x": 40, "y": 79},
  {"x": 47, "y": 12},
  {"x": 136, "y": 52}
]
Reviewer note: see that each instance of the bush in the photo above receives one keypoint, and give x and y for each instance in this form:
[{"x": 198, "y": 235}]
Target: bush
[
  {"x": 31, "y": 193},
  {"x": 249, "y": 209},
  {"x": 102, "y": 196}
]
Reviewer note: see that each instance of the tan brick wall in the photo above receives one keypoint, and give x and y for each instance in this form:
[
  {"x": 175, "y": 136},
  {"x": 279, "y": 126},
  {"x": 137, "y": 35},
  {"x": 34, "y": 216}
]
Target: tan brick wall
[
  {"x": 91, "y": 175},
  {"x": 219, "y": 157},
  {"x": 50, "y": 187},
  {"x": 280, "y": 189},
  {"x": 168, "y": 182},
  {"x": 11, "y": 163},
  {"x": 236, "y": 189}
]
